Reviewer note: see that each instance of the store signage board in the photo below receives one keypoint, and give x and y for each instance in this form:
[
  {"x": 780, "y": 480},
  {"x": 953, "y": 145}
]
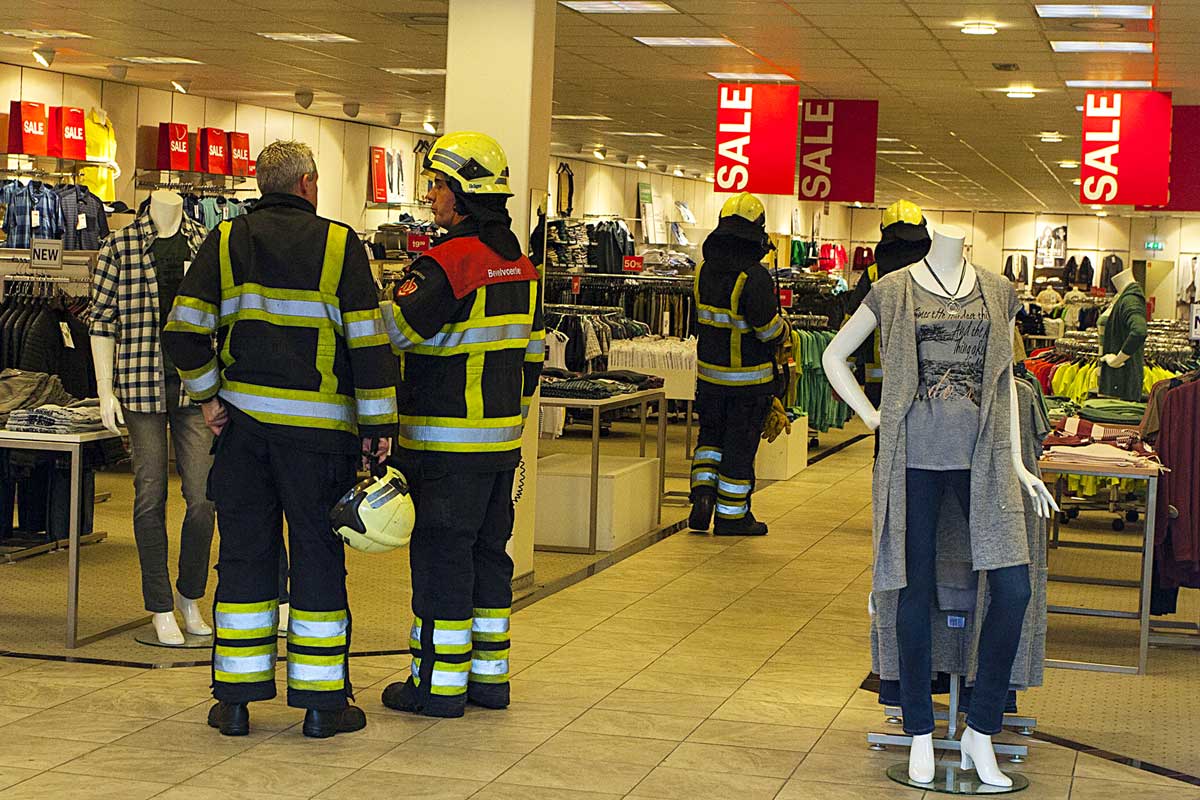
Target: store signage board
[
  {"x": 785, "y": 298},
  {"x": 1195, "y": 317},
  {"x": 632, "y": 263},
  {"x": 756, "y": 138},
  {"x": 1126, "y": 148},
  {"x": 837, "y": 150},
  {"x": 1153, "y": 245},
  {"x": 45, "y": 254},
  {"x": 1185, "y": 162},
  {"x": 378, "y": 175},
  {"x": 418, "y": 243},
  {"x": 213, "y": 145}
]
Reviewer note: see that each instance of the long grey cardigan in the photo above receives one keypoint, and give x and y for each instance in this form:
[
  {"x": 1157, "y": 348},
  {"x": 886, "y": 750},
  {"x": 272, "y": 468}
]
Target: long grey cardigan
[{"x": 997, "y": 523}]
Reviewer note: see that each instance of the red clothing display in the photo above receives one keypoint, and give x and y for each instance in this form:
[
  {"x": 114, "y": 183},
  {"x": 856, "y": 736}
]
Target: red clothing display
[{"x": 1177, "y": 541}]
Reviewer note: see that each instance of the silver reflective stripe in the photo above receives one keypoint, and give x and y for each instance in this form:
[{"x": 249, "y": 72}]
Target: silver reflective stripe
[
  {"x": 364, "y": 328},
  {"x": 377, "y": 407},
  {"x": 704, "y": 315},
  {"x": 250, "y": 301},
  {"x": 446, "y": 157},
  {"x": 732, "y": 511},
  {"x": 704, "y": 476},
  {"x": 486, "y": 667},
  {"x": 414, "y": 667},
  {"x": 745, "y": 376},
  {"x": 490, "y": 625},
  {"x": 393, "y": 330},
  {"x": 536, "y": 346},
  {"x": 732, "y": 488},
  {"x": 241, "y": 665},
  {"x": 312, "y": 672},
  {"x": 325, "y": 629},
  {"x": 492, "y": 333},
  {"x": 203, "y": 383},
  {"x": 771, "y": 331},
  {"x": 875, "y": 372},
  {"x": 445, "y": 636},
  {"x": 290, "y": 408},
  {"x": 193, "y": 316},
  {"x": 705, "y": 454},
  {"x": 247, "y": 622},
  {"x": 437, "y": 433},
  {"x": 444, "y": 678}
]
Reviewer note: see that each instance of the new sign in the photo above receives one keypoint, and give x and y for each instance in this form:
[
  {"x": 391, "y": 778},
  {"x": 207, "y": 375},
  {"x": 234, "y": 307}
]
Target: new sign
[
  {"x": 1126, "y": 148},
  {"x": 45, "y": 254},
  {"x": 837, "y": 150},
  {"x": 756, "y": 138}
]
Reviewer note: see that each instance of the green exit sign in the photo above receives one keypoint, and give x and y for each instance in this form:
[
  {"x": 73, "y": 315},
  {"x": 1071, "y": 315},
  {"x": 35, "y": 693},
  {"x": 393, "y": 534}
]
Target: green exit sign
[{"x": 1154, "y": 245}]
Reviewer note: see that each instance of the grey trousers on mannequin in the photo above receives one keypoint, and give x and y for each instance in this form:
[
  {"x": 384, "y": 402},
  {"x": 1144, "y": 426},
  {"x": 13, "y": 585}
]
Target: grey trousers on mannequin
[{"x": 193, "y": 459}]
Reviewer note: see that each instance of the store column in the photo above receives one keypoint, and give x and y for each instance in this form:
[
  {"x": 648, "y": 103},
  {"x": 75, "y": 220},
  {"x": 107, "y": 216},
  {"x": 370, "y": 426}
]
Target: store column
[{"x": 500, "y": 80}]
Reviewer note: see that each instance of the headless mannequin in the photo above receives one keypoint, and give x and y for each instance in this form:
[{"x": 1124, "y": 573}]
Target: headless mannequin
[
  {"x": 946, "y": 260},
  {"x": 1120, "y": 281},
  {"x": 166, "y": 212}
]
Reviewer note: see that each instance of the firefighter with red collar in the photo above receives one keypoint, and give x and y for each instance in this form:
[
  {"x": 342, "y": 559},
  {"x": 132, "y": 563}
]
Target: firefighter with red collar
[{"x": 467, "y": 324}]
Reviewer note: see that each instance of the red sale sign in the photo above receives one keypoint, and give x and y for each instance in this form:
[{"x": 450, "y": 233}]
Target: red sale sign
[
  {"x": 756, "y": 138},
  {"x": 632, "y": 263},
  {"x": 785, "y": 298},
  {"x": 1126, "y": 148},
  {"x": 418, "y": 243},
  {"x": 27, "y": 128},
  {"x": 173, "y": 150},
  {"x": 239, "y": 153},
  {"x": 837, "y": 150},
  {"x": 66, "y": 133},
  {"x": 214, "y": 151},
  {"x": 1185, "y": 161}
]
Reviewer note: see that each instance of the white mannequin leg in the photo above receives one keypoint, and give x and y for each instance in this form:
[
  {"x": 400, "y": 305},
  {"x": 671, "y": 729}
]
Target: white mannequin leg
[
  {"x": 977, "y": 750},
  {"x": 283, "y": 618},
  {"x": 193, "y": 623},
  {"x": 167, "y": 628},
  {"x": 920, "y": 759}
]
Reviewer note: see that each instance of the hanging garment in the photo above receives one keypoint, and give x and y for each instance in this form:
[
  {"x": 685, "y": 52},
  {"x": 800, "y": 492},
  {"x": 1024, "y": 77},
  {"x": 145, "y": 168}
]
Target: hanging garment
[
  {"x": 1112, "y": 265},
  {"x": 1069, "y": 271},
  {"x": 1085, "y": 276},
  {"x": 564, "y": 198},
  {"x": 85, "y": 224},
  {"x": 101, "y": 138}
]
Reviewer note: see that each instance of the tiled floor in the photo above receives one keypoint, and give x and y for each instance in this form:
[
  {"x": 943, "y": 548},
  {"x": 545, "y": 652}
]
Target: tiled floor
[{"x": 698, "y": 668}]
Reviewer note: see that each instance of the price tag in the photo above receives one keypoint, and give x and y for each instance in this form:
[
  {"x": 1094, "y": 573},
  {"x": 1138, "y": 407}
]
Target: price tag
[
  {"x": 35, "y": 219},
  {"x": 785, "y": 298},
  {"x": 418, "y": 242},
  {"x": 81, "y": 223},
  {"x": 575, "y": 284},
  {"x": 66, "y": 334},
  {"x": 632, "y": 263}
]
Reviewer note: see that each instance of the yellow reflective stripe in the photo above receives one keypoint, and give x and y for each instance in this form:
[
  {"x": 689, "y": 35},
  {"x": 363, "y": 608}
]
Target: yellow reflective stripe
[
  {"x": 226, "y": 262},
  {"x": 244, "y": 677},
  {"x": 335, "y": 660},
  {"x": 452, "y": 624},
  {"x": 318, "y": 616},
  {"x": 474, "y": 391},
  {"x": 490, "y": 655},
  {"x": 240, "y": 652},
  {"x": 735, "y": 299},
  {"x": 769, "y": 331},
  {"x": 492, "y": 613},
  {"x": 460, "y": 422},
  {"x": 477, "y": 678},
  {"x": 335, "y": 253},
  {"x": 735, "y": 376},
  {"x": 402, "y": 335},
  {"x": 364, "y": 329},
  {"x": 196, "y": 303},
  {"x": 316, "y": 686},
  {"x": 326, "y": 351},
  {"x": 311, "y": 641},
  {"x": 376, "y": 406}
]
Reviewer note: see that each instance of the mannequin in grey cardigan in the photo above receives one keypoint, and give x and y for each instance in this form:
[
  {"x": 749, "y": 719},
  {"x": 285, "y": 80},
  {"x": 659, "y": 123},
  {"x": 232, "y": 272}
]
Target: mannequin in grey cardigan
[{"x": 948, "y": 424}]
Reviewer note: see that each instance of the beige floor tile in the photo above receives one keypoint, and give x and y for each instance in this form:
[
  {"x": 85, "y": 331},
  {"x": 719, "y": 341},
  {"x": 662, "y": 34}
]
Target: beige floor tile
[
  {"x": 550, "y": 772},
  {"x": 350, "y": 750},
  {"x": 654, "y": 680},
  {"x": 207, "y": 793},
  {"x": 136, "y": 764},
  {"x": 791, "y": 693},
  {"x": 739, "y": 760},
  {"x": 686, "y": 705},
  {"x": 35, "y": 694},
  {"x": 609, "y": 658},
  {"x": 755, "y": 734},
  {"x": 627, "y": 723},
  {"x": 55, "y": 785},
  {"x": 547, "y": 716},
  {"x": 583, "y": 675},
  {"x": 735, "y": 667},
  {"x": 861, "y": 719},
  {"x": 526, "y": 690},
  {"x": 542, "y": 634},
  {"x": 487, "y": 735},
  {"x": 626, "y": 641},
  {"x": 392, "y": 726},
  {"x": 666, "y": 629},
  {"x": 601, "y": 747},
  {"x": 134, "y": 702},
  {"x": 61, "y": 723},
  {"x": 513, "y": 791},
  {"x": 1058, "y": 787},
  {"x": 684, "y": 784},
  {"x": 13, "y": 775},
  {"x": 1092, "y": 789},
  {"x": 368, "y": 784},
  {"x": 36, "y": 752},
  {"x": 796, "y": 714},
  {"x": 853, "y": 743},
  {"x": 1045, "y": 760},
  {"x": 665, "y": 611},
  {"x": 246, "y": 774},
  {"x": 187, "y": 737},
  {"x": 811, "y": 790},
  {"x": 1102, "y": 769},
  {"x": 67, "y": 673},
  {"x": 443, "y": 762}
]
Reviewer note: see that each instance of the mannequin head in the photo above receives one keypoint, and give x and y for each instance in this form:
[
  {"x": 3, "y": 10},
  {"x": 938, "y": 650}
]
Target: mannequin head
[
  {"x": 946, "y": 249},
  {"x": 1123, "y": 279},
  {"x": 288, "y": 168},
  {"x": 166, "y": 211}
]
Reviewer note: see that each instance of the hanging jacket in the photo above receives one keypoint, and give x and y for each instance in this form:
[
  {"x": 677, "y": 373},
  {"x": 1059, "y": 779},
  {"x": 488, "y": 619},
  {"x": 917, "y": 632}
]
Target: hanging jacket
[
  {"x": 1125, "y": 332},
  {"x": 468, "y": 327},
  {"x": 738, "y": 319},
  {"x": 301, "y": 350},
  {"x": 1069, "y": 271},
  {"x": 1086, "y": 274},
  {"x": 1108, "y": 270}
]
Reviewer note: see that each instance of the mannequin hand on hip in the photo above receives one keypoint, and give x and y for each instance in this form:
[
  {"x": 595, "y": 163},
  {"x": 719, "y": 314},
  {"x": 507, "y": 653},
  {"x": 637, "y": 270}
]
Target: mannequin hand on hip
[
  {"x": 871, "y": 419},
  {"x": 1043, "y": 501},
  {"x": 1115, "y": 360},
  {"x": 110, "y": 409}
]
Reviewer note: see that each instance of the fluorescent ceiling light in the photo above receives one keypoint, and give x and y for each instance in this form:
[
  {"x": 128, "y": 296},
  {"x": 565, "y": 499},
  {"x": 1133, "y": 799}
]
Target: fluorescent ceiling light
[
  {"x": 1094, "y": 11},
  {"x": 751, "y": 76},
  {"x": 159, "y": 60},
  {"x": 1020, "y": 93},
  {"x": 44, "y": 56},
  {"x": 596, "y": 117},
  {"x": 1079, "y": 108},
  {"x": 1077, "y": 182},
  {"x": 429, "y": 126},
  {"x": 648, "y": 134},
  {"x": 1101, "y": 213},
  {"x": 899, "y": 153},
  {"x": 710, "y": 179},
  {"x": 415, "y": 70},
  {"x": 312, "y": 38},
  {"x": 641, "y": 163},
  {"x": 1069, "y": 164},
  {"x": 181, "y": 85},
  {"x": 885, "y": 139},
  {"x": 685, "y": 41},
  {"x": 1103, "y": 47},
  {"x": 46, "y": 34},
  {"x": 1097, "y": 207},
  {"x": 600, "y": 153},
  {"x": 678, "y": 173},
  {"x": 681, "y": 147},
  {"x": 979, "y": 29},
  {"x": 618, "y": 7},
  {"x": 1051, "y": 137},
  {"x": 1091, "y": 84}
]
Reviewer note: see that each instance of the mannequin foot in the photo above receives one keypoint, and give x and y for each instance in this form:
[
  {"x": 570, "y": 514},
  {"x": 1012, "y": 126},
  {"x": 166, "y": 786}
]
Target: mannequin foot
[
  {"x": 920, "y": 759},
  {"x": 167, "y": 628},
  {"x": 977, "y": 751},
  {"x": 193, "y": 623},
  {"x": 283, "y": 619}
]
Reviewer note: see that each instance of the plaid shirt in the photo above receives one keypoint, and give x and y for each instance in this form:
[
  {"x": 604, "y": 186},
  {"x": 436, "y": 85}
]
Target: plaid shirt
[
  {"x": 78, "y": 200},
  {"x": 125, "y": 306},
  {"x": 18, "y": 220}
]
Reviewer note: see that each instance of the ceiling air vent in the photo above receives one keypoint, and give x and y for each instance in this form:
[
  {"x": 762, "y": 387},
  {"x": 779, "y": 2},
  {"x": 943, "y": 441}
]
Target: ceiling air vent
[{"x": 1006, "y": 67}]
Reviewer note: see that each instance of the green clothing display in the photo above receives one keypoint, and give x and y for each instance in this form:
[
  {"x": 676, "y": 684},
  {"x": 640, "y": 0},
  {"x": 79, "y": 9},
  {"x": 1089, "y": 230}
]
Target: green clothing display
[
  {"x": 810, "y": 392},
  {"x": 1125, "y": 332},
  {"x": 1113, "y": 412}
]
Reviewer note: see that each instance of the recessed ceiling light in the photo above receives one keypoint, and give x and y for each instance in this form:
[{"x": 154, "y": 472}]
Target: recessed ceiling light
[
  {"x": 899, "y": 152},
  {"x": 710, "y": 179},
  {"x": 1097, "y": 207},
  {"x": 1101, "y": 213},
  {"x": 1094, "y": 84},
  {"x": 181, "y": 85},
  {"x": 596, "y": 117},
  {"x": 1076, "y": 182},
  {"x": 44, "y": 56},
  {"x": 751, "y": 76},
  {"x": 1020, "y": 93},
  {"x": 1103, "y": 47},
  {"x": 618, "y": 7},
  {"x": 158, "y": 60},
  {"x": 681, "y": 147},
  {"x": 678, "y": 173},
  {"x": 429, "y": 126},
  {"x": 1068, "y": 164},
  {"x": 46, "y": 34},
  {"x": 886, "y": 139},
  {"x": 979, "y": 28},
  {"x": 647, "y": 134},
  {"x": 641, "y": 163},
  {"x": 599, "y": 153},
  {"x": 311, "y": 38},
  {"x": 415, "y": 70},
  {"x": 1094, "y": 11},
  {"x": 685, "y": 41},
  {"x": 1051, "y": 137}
]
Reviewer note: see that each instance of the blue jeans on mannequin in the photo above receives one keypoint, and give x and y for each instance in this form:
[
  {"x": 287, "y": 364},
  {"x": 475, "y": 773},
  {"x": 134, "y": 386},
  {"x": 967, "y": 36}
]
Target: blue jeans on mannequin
[{"x": 1009, "y": 590}]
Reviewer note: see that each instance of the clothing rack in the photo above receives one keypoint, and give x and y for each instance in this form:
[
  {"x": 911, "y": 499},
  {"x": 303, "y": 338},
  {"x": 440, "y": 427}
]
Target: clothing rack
[
  {"x": 567, "y": 308},
  {"x": 808, "y": 322}
]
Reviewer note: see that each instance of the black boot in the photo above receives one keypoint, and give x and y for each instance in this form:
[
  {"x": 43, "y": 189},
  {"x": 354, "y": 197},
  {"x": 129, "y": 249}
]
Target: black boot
[
  {"x": 488, "y": 695},
  {"x": 702, "y": 511},
  {"x": 232, "y": 719},
  {"x": 746, "y": 526},
  {"x": 323, "y": 724},
  {"x": 405, "y": 697}
]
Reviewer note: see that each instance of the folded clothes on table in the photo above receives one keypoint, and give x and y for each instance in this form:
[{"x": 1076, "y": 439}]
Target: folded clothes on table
[
  {"x": 80, "y": 417},
  {"x": 595, "y": 385},
  {"x": 1114, "y": 412},
  {"x": 1098, "y": 456}
]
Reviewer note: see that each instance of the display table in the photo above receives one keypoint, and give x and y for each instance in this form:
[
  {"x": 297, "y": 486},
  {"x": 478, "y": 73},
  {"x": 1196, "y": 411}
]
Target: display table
[
  {"x": 784, "y": 458},
  {"x": 639, "y": 399},
  {"x": 1061, "y": 470},
  {"x": 72, "y": 445},
  {"x": 628, "y": 507}
]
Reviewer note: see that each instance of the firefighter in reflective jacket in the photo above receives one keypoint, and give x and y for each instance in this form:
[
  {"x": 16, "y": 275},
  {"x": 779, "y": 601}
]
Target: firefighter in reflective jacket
[
  {"x": 739, "y": 329},
  {"x": 467, "y": 324},
  {"x": 300, "y": 384}
]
